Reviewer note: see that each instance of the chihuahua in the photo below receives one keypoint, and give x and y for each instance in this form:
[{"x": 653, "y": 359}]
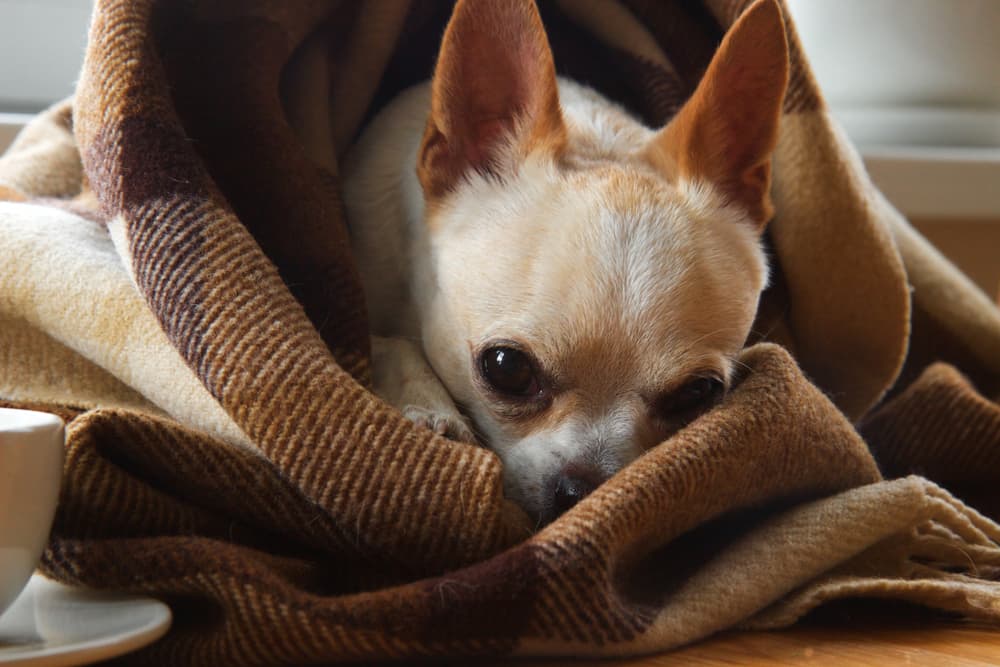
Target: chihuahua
[{"x": 545, "y": 274}]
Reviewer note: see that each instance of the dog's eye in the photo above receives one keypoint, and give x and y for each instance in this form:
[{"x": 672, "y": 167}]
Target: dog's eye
[
  {"x": 697, "y": 393},
  {"x": 508, "y": 371}
]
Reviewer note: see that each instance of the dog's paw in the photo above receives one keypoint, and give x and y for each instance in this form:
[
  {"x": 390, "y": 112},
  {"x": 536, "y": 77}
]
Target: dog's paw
[{"x": 449, "y": 425}]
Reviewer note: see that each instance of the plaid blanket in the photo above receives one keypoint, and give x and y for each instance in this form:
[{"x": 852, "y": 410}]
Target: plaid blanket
[{"x": 176, "y": 282}]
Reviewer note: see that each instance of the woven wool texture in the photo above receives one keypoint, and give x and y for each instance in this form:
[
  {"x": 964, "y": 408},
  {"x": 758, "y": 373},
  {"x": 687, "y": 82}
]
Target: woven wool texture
[{"x": 176, "y": 283}]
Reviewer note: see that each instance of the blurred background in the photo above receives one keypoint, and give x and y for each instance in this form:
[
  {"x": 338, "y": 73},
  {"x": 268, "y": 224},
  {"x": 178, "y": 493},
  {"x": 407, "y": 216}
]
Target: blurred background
[{"x": 915, "y": 83}]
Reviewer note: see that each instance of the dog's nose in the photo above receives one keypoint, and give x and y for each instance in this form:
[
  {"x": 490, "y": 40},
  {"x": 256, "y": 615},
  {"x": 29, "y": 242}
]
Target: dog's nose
[{"x": 574, "y": 483}]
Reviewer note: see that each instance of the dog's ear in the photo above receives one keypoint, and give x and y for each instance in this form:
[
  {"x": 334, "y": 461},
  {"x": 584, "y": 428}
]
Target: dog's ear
[
  {"x": 494, "y": 90},
  {"x": 726, "y": 132}
]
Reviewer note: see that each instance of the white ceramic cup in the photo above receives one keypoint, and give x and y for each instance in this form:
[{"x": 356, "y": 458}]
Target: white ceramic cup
[{"x": 31, "y": 462}]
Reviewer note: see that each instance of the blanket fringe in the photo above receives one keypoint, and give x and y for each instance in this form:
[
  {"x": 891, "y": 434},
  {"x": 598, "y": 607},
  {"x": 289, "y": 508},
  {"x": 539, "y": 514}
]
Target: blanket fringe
[{"x": 948, "y": 558}]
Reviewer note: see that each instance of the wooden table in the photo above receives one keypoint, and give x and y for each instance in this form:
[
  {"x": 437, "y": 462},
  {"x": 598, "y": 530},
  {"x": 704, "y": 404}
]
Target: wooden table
[
  {"x": 939, "y": 647},
  {"x": 866, "y": 640}
]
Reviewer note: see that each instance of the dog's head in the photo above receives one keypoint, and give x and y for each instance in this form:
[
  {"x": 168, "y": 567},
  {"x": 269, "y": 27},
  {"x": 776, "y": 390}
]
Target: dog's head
[{"x": 589, "y": 281}]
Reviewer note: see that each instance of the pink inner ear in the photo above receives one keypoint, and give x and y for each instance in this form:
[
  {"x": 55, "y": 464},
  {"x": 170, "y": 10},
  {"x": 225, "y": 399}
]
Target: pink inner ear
[
  {"x": 487, "y": 135},
  {"x": 499, "y": 88},
  {"x": 494, "y": 75}
]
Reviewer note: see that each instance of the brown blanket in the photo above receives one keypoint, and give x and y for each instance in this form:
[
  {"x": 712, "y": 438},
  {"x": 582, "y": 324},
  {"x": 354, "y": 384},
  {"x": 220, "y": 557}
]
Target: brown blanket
[{"x": 175, "y": 281}]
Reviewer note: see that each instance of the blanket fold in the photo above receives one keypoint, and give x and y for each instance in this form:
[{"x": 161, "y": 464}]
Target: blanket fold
[{"x": 176, "y": 283}]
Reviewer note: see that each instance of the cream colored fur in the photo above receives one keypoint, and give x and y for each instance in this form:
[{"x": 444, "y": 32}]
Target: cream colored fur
[
  {"x": 656, "y": 281},
  {"x": 501, "y": 208}
]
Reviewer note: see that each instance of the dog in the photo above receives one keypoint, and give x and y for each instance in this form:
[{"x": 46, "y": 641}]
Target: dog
[{"x": 546, "y": 275}]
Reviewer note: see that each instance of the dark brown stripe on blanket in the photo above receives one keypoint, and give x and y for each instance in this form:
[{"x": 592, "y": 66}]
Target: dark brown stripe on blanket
[
  {"x": 224, "y": 77},
  {"x": 686, "y": 32},
  {"x": 225, "y": 308},
  {"x": 259, "y": 618},
  {"x": 942, "y": 428},
  {"x": 650, "y": 91}
]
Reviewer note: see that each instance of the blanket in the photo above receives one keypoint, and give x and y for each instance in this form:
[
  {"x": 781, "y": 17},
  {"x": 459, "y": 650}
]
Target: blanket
[{"x": 176, "y": 283}]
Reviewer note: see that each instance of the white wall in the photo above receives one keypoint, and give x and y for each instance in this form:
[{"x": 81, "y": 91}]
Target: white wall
[{"x": 41, "y": 49}]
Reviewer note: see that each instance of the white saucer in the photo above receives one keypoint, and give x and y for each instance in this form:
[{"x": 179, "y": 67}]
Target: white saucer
[{"x": 52, "y": 625}]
